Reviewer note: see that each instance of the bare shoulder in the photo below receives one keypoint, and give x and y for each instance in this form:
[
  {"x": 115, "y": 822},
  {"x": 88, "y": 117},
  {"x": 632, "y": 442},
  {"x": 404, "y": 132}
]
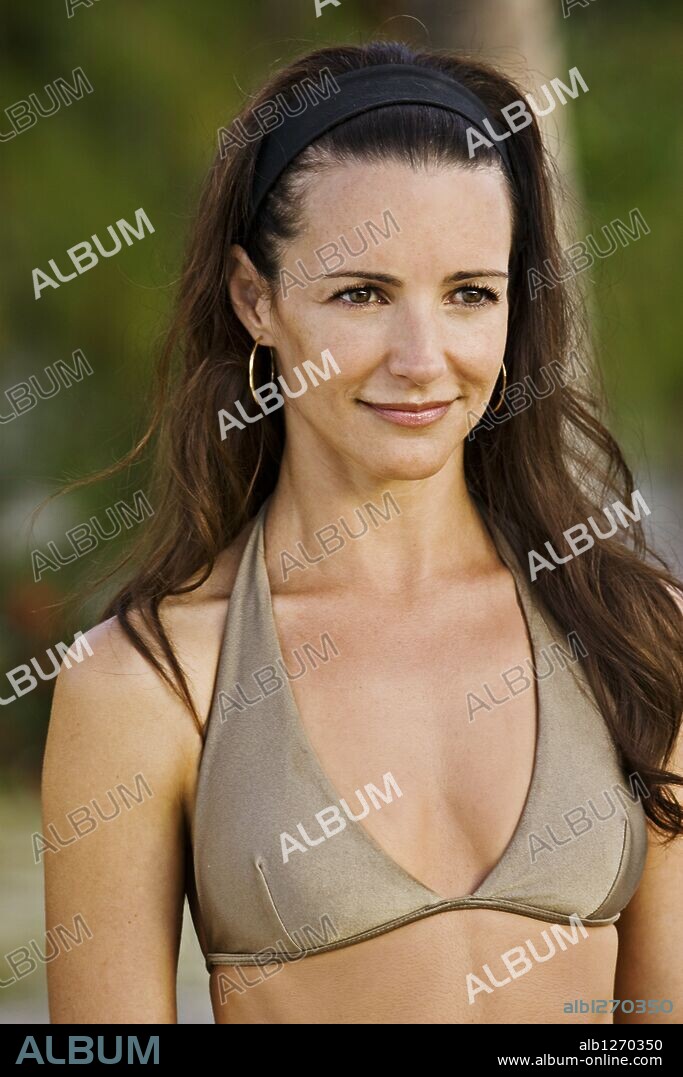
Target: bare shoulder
[
  {"x": 113, "y": 704},
  {"x": 119, "y": 737}
]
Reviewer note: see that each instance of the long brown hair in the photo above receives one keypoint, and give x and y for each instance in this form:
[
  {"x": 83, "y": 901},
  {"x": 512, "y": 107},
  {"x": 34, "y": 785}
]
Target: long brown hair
[{"x": 551, "y": 466}]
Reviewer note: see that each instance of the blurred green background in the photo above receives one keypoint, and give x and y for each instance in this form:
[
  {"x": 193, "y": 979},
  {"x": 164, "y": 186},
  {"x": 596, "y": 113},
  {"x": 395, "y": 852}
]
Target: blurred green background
[{"x": 165, "y": 76}]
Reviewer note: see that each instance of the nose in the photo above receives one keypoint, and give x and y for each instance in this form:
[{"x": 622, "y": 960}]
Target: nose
[{"x": 416, "y": 351}]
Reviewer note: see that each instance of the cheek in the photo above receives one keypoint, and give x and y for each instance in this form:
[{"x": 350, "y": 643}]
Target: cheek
[
  {"x": 481, "y": 344},
  {"x": 356, "y": 356},
  {"x": 305, "y": 333}
]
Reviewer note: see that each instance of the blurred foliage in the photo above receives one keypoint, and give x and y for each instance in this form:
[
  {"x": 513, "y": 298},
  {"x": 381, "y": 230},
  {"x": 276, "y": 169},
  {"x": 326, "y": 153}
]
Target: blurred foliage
[
  {"x": 629, "y": 141},
  {"x": 165, "y": 76}
]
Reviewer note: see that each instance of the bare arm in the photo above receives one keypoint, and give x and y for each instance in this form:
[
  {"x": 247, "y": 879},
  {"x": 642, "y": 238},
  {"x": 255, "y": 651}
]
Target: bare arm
[
  {"x": 651, "y": 938},
  {"x": 650, "y": 929},
  {"x": 118, "y": 740}
]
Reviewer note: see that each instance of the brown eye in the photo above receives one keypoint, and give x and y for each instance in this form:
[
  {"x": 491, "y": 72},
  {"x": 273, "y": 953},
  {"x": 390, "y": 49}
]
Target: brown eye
[
  {"x": 472, "y": 296},
  {"x": 363, "y": 293}
]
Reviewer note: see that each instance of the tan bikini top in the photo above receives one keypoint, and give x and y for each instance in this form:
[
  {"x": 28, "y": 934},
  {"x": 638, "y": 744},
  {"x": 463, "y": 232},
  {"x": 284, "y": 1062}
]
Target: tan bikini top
[{"x": 578, "y": 849}]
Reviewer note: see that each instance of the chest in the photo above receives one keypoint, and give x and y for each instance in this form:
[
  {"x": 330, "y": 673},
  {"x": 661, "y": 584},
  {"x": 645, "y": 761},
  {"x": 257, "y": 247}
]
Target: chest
[{"x": 409, "y": 692}]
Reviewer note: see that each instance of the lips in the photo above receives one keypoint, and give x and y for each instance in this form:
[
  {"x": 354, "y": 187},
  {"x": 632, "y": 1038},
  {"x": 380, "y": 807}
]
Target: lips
[{"x": 411, "y": 414}]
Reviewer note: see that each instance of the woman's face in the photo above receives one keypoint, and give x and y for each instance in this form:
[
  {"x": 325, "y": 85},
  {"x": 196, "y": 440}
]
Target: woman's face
[{"x": 417, "y": 323}]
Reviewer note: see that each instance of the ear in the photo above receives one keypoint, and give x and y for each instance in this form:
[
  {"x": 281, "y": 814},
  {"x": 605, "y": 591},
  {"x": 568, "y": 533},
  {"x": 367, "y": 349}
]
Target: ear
[{"x": 249, "y": 295}]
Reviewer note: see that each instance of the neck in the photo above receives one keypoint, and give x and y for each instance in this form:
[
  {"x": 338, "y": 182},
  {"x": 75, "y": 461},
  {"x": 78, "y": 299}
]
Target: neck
[{"x": 408, "y": 532}]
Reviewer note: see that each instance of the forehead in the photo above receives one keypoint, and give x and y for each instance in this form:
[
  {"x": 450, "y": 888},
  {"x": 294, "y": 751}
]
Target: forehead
[{"x": 440, "y": 213}]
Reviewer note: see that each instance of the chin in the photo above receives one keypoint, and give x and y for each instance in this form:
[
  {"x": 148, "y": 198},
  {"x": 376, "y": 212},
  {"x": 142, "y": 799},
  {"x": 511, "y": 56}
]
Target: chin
[{"x": 406, "y": 466}]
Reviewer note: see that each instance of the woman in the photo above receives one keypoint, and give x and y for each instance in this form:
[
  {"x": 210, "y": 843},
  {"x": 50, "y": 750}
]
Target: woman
[{"x": 400, "y": 777}]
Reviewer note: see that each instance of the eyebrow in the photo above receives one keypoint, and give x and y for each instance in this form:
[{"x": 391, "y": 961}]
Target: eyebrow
[{"x": 385, "y": 278}]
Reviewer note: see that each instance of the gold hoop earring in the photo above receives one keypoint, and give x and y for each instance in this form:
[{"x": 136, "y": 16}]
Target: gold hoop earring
[
  {"x": 502, "y": 392},
  {"x": 251, "y": 370}
]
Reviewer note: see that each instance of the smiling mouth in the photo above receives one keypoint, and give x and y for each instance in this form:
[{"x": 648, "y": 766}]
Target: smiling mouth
[{"x": 411, "y": 414}]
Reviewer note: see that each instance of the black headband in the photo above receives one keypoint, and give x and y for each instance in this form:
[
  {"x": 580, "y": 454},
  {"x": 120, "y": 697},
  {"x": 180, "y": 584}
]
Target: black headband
[{"x": 361, "y": 90}]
